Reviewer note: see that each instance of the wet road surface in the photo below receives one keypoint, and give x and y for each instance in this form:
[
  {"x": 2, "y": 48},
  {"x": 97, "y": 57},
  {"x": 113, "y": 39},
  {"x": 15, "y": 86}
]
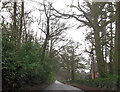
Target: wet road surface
[{"x": 60, "y": 86}]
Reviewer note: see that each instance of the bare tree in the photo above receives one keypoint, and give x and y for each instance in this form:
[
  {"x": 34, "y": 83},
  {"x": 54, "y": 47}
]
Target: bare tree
[
  {"x": 51, "y": 26},
  {"x": 92, "y": 12},
  {"x": 21, "y": 25}
]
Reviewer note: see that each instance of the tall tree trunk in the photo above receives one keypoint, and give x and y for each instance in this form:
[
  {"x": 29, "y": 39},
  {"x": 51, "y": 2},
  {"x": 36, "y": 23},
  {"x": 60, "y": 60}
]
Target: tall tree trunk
[
  {"x": 25, "y": 33},
  {"x": 72, "y": 67},
  {"x": 116, "y": 64},
  {"x": 14, "y": 32},
  {"x": 92, "y": 65},
  {"x": 98, "y": 48},
  {"x": 111, "y": 50},
  {"x": 116, "y": 52},
  {"x": 118, "y": 19},
  {"x": 118, "y": 33},
  {"x": 21, "y": 19},
  {"x": 45, "y": 42},
  {"x": 99, "y": 53},
  {"x": 72, "y": 72},
  {"x": 103, "y": 39},
  {"x": 51, "y": 46}
]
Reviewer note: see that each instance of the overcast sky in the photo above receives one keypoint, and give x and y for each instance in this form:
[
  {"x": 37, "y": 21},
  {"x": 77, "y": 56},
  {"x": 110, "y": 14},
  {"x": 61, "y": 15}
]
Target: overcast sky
[{"x": 77, "y": 35}]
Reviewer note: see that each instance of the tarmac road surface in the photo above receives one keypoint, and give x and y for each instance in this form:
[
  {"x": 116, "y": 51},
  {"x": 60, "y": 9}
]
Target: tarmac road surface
[{"x": 63, "y": 87}]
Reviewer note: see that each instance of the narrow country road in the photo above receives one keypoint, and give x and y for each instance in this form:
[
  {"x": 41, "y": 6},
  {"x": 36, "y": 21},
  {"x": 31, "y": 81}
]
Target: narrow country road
[{"x": 60, "y": 86}]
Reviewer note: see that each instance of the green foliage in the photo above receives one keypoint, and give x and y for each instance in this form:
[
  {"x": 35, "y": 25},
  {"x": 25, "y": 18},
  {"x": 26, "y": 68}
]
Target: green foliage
[
  {"x": 106, "y": 83},
  {"x": 23, "y": 67}
]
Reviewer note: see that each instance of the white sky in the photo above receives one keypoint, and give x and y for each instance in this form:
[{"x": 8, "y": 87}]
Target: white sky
[{"x": 73, "y": 33}]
